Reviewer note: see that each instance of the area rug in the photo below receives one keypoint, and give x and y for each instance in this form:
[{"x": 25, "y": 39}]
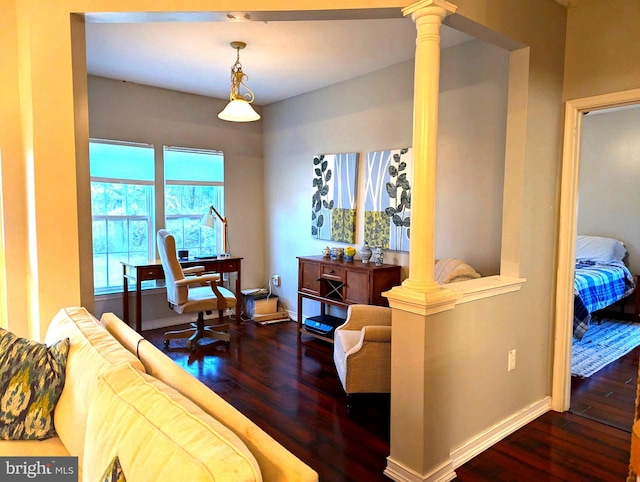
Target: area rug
[{"x": 602, "y": 344}]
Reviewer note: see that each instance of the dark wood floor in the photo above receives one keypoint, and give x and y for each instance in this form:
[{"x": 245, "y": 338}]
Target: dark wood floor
[
  {"x": 609, "y": 395},
  {"x": 290, "y": 389}
]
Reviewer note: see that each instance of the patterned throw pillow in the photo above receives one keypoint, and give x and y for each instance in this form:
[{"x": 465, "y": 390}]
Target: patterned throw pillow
[
  {"x": 31, "y": 380},
  {"x": 114, "y": 472}
]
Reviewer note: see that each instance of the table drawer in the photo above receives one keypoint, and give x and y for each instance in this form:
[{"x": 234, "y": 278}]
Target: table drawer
[
  {"x": 331, "y": 272},
  {"x": 225, "y": 266},
  {"x": 150, "y": 273}
]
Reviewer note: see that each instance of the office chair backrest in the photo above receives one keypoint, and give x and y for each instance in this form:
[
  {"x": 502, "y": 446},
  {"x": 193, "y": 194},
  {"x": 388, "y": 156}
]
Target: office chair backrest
[{"x": 171, "y": 266}]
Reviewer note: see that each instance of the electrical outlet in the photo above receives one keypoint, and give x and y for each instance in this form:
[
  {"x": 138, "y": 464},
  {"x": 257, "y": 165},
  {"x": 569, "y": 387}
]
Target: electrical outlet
[
  {"x": 276, "y": 279},
  {"x": 511, "y": 364}
]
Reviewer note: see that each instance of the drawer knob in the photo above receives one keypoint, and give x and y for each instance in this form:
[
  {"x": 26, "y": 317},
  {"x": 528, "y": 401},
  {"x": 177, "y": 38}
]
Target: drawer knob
[{"x": 331, "y": 271}]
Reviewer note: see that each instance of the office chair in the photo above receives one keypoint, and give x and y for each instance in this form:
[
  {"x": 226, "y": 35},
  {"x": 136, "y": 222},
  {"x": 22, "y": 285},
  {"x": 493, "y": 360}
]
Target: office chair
[{"x": 196, "y": 293}]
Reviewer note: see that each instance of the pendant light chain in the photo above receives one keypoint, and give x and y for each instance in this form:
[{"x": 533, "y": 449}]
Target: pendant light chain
[
  {"x": 237, "y": 79},
  {"x": 239, "y": 107}
]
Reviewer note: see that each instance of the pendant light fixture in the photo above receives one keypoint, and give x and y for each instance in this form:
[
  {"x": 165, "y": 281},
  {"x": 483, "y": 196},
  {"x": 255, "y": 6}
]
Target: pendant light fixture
[{"x": 239, "y": 107}]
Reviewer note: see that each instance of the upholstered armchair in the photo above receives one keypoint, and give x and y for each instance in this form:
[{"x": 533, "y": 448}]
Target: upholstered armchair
[
  {"x": 362, "y": 350},
  {"x": 197, "y": 293}
]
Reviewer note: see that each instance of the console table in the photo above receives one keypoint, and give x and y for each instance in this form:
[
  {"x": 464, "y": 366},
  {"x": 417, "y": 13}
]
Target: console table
[
  {"x": 152, "y": 270},
  {"x": 340, "y": 283}
]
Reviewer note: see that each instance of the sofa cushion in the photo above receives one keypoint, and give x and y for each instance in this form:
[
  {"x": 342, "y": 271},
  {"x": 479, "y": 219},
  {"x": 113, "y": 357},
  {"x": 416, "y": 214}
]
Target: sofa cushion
[
  {"x": 92, "y": 351},
  {"x": 158, "y": 434},
  {"x": 276, "y": 463},
  {"x": 31, "y": 379}
]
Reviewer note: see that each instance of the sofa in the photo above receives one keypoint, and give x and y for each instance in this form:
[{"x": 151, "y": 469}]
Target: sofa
[{"x": 124, "y": 400}]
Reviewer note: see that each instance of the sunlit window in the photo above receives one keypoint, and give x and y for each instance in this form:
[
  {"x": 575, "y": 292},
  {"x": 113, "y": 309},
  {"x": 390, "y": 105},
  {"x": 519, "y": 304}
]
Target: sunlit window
[
  {"x": 122, "y": 197},
  {"x": 194, "y": 181}
]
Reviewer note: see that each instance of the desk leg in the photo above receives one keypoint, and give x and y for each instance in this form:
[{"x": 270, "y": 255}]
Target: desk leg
[
  {"x": 238, "y": 296},
  {"x": 125, "y": 295},
  {"x": 138, "y": 304},
  {"x": 299, "y": 315}
]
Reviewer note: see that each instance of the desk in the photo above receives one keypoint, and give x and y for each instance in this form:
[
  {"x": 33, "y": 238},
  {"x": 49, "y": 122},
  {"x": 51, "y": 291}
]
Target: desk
[{"x": 152, "y": 270}]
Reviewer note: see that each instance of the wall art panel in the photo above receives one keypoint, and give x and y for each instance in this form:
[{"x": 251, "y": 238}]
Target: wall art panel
[
  {"x": 333, "y": 200},
  {"x": 388, "y": 179}
]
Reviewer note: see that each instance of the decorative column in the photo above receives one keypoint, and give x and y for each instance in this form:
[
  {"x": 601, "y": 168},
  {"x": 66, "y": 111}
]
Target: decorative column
[
  {"x": 420, "y": 391},
  {"x": 420, "y": 287}
]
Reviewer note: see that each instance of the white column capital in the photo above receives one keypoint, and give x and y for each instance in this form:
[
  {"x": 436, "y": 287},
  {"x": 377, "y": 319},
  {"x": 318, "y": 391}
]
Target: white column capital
[
  {"x": 423, "y": 302},
  {"x": 442, "y": 8}
]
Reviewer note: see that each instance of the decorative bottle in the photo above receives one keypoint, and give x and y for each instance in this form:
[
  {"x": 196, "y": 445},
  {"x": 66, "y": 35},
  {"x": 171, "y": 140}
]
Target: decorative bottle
[
  {"x": 365, "y": 253},
  {"x": 378, "y": 256}
]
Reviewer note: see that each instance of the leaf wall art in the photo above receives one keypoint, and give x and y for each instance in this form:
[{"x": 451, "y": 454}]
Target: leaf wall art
[
  {"x": 388, "y": 179},
  {"x": 333, "y": 199}
]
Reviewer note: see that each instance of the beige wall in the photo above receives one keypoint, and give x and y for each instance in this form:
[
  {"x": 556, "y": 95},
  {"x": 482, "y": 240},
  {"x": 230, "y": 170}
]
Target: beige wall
[
  {"x": 471, "y": 148},
  {"x": 476, "y": 391},
  {"x": 132, "y": 112},
  {"x": 14, "y": 309},
  {"x": 609, "y": 176},
  {"x": 354, "y": 116},
  {"x": 602, "y": 48},
  {"x": 39, "y": 95},
  {"x": 473, "y": 339}
]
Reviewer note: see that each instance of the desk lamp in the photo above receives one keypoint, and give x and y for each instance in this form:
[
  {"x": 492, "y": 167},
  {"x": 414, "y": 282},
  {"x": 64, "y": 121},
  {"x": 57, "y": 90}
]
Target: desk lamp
[{"x": 208, "y": 220}]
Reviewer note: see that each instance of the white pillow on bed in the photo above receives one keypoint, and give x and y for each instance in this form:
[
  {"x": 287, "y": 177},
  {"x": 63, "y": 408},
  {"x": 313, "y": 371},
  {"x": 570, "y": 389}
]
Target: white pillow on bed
[{"x": 599, "y": 249}]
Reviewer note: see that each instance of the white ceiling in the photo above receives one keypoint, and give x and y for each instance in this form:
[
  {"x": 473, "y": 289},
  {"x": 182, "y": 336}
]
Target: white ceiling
[{"x": 282, "y": 58}]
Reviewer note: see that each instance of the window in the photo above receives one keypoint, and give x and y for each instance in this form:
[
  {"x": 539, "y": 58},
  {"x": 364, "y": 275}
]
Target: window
[
  {"x": 122, "y": 197},
  {"x": 194, "y": 180}
]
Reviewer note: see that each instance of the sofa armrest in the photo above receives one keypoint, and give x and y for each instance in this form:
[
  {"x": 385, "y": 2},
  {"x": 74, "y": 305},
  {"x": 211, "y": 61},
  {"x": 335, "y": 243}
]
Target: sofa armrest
[
  {"x": 359, "y": 316},
  {"x": 275, "y": 461}
]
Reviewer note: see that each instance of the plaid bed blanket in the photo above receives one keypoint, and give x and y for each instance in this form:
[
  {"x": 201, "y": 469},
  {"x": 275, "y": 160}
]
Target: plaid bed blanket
[{"x": 597, "y": 286}]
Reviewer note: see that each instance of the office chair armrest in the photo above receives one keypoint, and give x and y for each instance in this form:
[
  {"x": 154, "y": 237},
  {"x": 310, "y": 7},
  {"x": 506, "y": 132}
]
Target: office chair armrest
[
  {"x": 193, "y": 270},
  {"x": 199, "y": 280},
  {"x": 207, "y": 280}
]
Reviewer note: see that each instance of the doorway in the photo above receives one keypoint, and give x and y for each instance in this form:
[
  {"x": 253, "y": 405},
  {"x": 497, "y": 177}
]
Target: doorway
[{"x": 574, "y": 111}]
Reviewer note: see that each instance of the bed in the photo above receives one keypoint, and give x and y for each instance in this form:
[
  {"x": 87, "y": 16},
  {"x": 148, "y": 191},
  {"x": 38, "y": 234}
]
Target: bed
[{"x": 601, "y": 278}]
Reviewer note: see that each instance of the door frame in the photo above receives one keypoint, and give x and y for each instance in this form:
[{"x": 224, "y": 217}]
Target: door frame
[{"x": 567, "y": 229}]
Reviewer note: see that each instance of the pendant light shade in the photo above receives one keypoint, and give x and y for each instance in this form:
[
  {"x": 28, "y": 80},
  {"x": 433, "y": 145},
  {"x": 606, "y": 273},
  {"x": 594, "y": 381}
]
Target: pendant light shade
[
  {"x": 239, "y": 107},
  {"x": 239, "y": 110}
]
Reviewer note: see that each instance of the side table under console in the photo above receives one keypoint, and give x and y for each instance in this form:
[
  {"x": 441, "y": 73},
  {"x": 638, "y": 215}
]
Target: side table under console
[{"x": 338, "y": 283}]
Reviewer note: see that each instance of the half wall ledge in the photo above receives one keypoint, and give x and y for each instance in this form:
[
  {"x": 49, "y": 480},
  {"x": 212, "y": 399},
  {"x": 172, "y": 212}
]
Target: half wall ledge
[{"x": 487, "y": 287}]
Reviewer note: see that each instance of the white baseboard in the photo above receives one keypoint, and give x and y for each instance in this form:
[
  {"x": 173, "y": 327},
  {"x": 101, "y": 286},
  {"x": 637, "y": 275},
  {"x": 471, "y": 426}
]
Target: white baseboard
[
  {"x": 177, "y": 320},
  {"x": 502, "y": 429},
  {"x": 166, "y": 322},
  {"x": 398, "y": 472},
  {"x": 472, "y": 447}
]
